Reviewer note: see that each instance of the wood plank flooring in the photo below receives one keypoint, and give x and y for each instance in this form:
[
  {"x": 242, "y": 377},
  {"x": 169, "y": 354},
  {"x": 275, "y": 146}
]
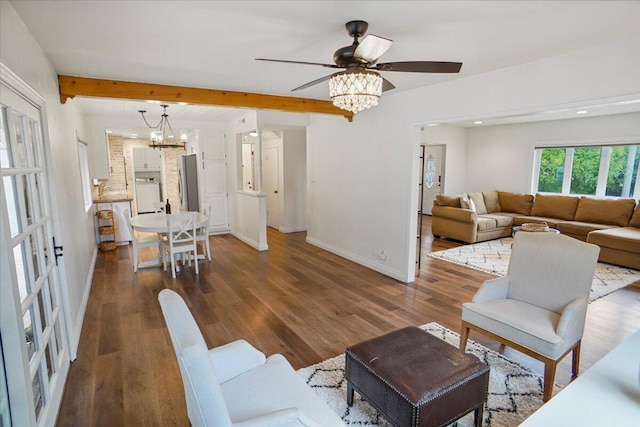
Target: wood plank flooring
[{"x": 294, "y": 299}]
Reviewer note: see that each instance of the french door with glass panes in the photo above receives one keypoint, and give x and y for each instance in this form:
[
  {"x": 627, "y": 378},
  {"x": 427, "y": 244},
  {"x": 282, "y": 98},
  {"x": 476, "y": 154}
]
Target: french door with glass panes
[{"x": 32, "y": 324}]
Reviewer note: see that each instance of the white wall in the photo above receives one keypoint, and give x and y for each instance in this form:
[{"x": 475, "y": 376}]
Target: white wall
[
  {"x": 295, "y": 181},
  {"x": 455, "y": 138},
  {"x": 507, "y": 151},
  {"x": 73, "y": 226},
  {"x": 362, "y": 175}
]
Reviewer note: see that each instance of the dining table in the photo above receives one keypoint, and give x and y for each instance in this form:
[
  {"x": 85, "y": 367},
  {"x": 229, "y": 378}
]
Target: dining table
[{"x": 157, "y": 223}]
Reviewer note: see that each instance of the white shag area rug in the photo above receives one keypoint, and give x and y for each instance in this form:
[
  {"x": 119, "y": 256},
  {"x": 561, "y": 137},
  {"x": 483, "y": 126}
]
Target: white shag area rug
[
  {"x": 515, "y": 392},
  {"x": 492, "y": 257}
]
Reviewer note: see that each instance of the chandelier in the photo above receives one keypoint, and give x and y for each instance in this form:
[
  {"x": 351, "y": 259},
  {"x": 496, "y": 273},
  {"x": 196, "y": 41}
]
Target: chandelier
[
  {"x": 355, "y": 89},
  {"x": 162, "y": 135}
]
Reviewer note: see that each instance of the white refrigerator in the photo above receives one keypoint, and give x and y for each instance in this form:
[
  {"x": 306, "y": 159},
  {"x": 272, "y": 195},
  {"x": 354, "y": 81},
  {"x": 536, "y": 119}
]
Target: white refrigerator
[{"x": 188, "y": 183}]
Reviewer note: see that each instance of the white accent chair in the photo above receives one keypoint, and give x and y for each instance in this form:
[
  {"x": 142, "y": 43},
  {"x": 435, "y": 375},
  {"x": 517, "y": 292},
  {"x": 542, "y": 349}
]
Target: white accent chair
[
  {"x": 181, "y": 239},
  {"x": 202, "y": 233},
  {"x": 539, "y": 307},
  {"x": 235, "y": 384},
  {"x": 138, "y": 241}
]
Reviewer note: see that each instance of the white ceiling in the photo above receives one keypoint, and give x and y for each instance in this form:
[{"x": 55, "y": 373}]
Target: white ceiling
[{"x": 213, "y": 44}]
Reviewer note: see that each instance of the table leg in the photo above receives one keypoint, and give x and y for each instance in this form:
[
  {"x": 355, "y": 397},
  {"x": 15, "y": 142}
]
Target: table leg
[
  {"x": 478, "y": 414},
  {"x": 349, "y": 394}
]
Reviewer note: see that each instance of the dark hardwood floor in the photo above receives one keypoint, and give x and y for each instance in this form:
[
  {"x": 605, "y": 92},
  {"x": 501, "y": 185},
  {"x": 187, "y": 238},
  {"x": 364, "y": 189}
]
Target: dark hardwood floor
[{"x": 294, "y": 299}]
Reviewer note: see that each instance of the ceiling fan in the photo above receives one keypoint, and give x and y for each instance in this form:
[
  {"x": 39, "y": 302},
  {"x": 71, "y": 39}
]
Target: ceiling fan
[{"x": 362, "y": 56}]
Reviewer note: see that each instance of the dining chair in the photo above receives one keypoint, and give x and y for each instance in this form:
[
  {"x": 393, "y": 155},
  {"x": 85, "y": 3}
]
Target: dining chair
[
  {"x": 158, "y": 206},
  {"x": 539, "y": 307},
  {"x": 139, "y": 241},
  {"x": 181, "y": 239},
  {"x": 202, "y": 233}
]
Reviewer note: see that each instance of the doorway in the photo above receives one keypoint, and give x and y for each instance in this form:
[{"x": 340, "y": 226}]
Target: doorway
[
  {"x": 432, "y": 175},
  {"x": 271, "y": 186}
]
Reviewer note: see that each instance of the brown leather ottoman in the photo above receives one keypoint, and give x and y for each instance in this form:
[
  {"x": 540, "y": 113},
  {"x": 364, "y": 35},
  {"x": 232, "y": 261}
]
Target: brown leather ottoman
[{"x": 416, "y": 379}]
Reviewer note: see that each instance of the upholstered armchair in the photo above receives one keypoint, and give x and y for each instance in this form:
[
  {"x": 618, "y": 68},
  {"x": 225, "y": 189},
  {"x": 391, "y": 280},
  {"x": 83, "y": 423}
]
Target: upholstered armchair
[
  {"x": 539, "y": 307},
  {"x": 235, "y": 384}
]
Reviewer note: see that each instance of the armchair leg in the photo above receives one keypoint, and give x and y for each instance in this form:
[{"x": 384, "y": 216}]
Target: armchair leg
[
  {"x": 464, "y": 336},
  {"x": 575, "y": 360},
  {"x": 549, "y": 378}
]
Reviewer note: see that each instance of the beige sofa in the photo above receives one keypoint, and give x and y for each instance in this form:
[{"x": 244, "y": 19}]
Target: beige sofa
[{"x": 612, "y": 224}]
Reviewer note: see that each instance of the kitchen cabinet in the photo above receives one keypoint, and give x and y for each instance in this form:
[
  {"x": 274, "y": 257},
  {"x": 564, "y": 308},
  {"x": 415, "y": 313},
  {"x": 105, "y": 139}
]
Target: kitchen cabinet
[{"x": 146, "y": 159}]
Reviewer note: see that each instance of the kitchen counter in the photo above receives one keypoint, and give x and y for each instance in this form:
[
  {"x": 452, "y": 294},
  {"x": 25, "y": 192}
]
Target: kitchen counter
[{"x": 112, "y": 198}]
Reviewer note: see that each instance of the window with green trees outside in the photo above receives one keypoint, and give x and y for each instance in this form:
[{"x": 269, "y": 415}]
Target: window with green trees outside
[{"x": 602, "y": 171}]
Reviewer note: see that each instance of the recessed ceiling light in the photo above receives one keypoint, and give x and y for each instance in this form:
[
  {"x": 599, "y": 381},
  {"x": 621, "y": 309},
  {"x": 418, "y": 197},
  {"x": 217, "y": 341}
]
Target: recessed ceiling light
[
  {"x": 582, "y": 112},
  {"x": 631, "y": 101},
  {"x": 134, "y": 135},
  {"x": 108, "y": 131},
  {"x": 153, "y": 102},
  {"x": 433, "y": 124},
  {"x": 478, "y": 122},
  {"x": 183, "y": 103},
  {"x": 254, "y": 133}
]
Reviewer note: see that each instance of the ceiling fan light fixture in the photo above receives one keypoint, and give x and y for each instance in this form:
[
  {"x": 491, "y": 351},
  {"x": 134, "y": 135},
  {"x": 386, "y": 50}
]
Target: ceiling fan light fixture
[{"x": 355, "y": 89}]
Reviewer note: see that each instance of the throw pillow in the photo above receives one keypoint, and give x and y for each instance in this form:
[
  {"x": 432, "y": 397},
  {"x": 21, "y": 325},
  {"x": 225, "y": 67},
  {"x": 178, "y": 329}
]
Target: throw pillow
[
  {"x": 478, "y": 199},
  {"x": 635, "y": 219},
  {"x": 464, "y": 201},
  {"x": 444, "y": 200},
  {"x": 491, "y": 201},
  {"x": 472, "y": 205}
]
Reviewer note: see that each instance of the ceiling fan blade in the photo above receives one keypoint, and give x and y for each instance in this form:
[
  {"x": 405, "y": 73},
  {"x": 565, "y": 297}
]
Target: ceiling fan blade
[
  {"x": 315, "y": 82},
  {"x": 298, "y": 62},
  {"x": 420, "y": 67},
  {"x": 372, "y": 47},
  {"x": 387, "y": 85}
]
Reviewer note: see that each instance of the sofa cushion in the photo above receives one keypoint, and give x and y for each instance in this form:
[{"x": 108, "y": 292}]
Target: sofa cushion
[
  {"x": 621, "y": 238},
  {"x": 515, "y": 202},
  {"x": 575, "y": 228},
  {"x": 635, "y": 219},
  {"x": 491, "y": 201},
  {"x": 605, "y": 211},
  {"x": 478, "y": 200},
  {"x": 552, "y": 206},
  {"x": 444, "y": 200},
  {"x": 485, "y": 224},
  {"x": 501, "y": 220}
]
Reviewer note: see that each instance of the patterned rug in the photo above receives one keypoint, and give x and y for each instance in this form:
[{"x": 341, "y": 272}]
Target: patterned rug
[
  {"x": 515, "y": 392},
  {"x": 493, "y": 257}
]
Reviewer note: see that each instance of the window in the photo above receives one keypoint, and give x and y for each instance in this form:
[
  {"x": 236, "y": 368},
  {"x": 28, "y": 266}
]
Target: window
[
  {"x": 610, "y": 171},
  {"x": 84, "y": 175}
]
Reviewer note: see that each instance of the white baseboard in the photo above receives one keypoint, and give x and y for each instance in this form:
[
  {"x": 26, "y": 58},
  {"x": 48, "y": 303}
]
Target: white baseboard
[
  {"x": 77, "y": 328},
  {"x": 395, "y": 274},
  {"x": 292, "y": 229},
  {"x": 249, "y": 241}
]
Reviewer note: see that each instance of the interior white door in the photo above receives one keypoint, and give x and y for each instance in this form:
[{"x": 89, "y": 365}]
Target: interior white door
[
  {"x": 271, "y": 186},
  {"x": 34, "y": 342},
  {"x": 214, "y": 179},
  {"x": 433, "y": 175}
]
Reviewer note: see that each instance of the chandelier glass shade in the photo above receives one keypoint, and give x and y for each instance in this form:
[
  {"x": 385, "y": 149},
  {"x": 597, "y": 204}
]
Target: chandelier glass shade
[
  {"x": 162, "y": 135},
  {"x": 355, "y": 90}
]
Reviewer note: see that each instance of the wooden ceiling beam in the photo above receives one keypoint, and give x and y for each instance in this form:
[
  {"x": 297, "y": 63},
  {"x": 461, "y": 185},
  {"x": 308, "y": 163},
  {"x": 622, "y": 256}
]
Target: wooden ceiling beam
[{"x": 71, "y": 86}]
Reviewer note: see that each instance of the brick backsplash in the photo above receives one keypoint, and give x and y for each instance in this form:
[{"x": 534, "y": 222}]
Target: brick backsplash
[{"x": 122, "y": 179}]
